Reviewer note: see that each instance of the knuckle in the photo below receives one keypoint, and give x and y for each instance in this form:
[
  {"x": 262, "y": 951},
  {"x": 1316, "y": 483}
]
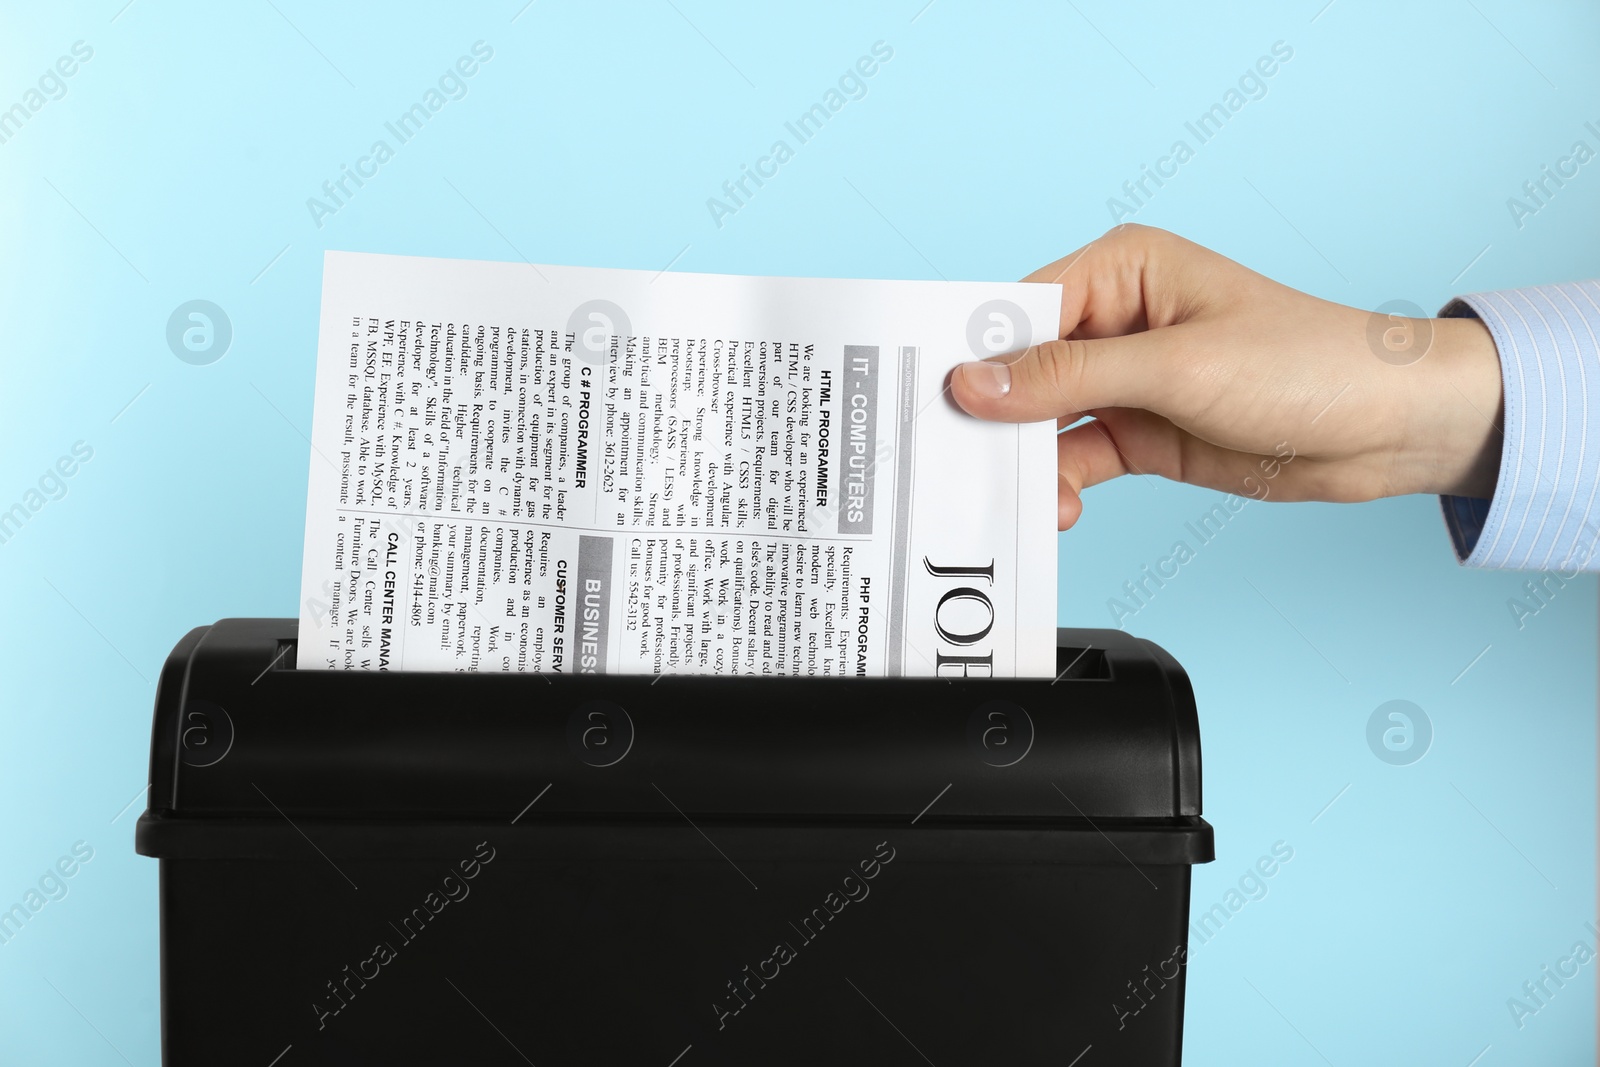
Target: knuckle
[
  {"x": 1057, "y": 370},
  {"x": 1136, "y": 232}
]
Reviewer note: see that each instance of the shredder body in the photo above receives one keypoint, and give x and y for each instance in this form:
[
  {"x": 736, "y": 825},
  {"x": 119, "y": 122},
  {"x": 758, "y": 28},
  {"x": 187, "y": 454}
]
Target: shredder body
[{"x": 441, "y": 868}]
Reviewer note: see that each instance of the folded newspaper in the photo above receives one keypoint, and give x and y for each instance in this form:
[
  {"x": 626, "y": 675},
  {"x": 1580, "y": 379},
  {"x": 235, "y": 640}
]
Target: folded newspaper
[{"x": 571, "y": 470}]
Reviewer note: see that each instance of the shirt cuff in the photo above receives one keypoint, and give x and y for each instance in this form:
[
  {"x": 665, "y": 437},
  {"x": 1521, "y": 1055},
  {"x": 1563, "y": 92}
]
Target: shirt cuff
[{"x": 1543, "y": 512}]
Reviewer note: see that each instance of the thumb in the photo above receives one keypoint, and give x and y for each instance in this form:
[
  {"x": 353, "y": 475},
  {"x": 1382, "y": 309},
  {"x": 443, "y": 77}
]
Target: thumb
[{"x": 1068, "y": 378}]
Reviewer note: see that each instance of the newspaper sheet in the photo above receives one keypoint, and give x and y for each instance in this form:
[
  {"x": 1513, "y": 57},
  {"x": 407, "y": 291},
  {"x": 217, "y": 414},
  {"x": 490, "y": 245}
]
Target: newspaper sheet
[{"x": 573, "y": 470}]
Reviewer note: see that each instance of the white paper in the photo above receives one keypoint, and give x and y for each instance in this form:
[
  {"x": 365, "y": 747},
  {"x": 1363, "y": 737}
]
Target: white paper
[{"x": 572, "y": 470}]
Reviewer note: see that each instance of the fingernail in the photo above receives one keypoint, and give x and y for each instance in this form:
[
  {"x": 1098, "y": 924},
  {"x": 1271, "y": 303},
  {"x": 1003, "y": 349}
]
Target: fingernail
[{"x": 989, "y": 380}]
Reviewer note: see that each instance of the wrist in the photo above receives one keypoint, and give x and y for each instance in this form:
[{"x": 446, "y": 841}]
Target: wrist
[{"x": 1458, "y": 437}]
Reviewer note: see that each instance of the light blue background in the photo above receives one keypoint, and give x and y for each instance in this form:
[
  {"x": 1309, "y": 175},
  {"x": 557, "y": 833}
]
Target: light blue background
[{"x": 178, "y": 165}]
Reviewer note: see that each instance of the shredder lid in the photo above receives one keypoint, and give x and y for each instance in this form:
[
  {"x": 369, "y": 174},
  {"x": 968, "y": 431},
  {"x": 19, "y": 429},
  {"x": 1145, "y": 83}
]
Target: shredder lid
[{"x": 239, "y": 733}]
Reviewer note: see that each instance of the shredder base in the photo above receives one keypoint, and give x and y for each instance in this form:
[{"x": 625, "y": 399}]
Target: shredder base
[{"x": 619, "y": 961}]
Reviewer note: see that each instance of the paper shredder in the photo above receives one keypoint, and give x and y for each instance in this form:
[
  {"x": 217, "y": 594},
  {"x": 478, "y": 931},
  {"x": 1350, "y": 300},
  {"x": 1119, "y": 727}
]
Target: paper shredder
[{"x": 442, "y": 868}]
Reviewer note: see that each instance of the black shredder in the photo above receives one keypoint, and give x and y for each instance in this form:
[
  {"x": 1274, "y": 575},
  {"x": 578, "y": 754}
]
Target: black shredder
[{"x": 449, "y": 868}]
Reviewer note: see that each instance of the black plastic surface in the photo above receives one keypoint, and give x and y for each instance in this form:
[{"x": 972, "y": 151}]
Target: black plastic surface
[
  {"x": 621, "y": 962},
  {"x": 1114, "y": 736},
  {"x": 654, "y": 845}
]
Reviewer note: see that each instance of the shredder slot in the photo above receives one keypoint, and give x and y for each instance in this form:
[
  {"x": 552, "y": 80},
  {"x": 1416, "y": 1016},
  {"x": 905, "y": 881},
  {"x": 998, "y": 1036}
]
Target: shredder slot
[
  {"x": 1084, "y": 664},
  {"x": 1087, "y": 664}
]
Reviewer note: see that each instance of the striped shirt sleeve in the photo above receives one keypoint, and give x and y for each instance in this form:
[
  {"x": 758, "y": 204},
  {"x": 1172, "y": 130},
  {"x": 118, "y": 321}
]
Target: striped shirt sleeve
[{"x": 1544, "y": 514}]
